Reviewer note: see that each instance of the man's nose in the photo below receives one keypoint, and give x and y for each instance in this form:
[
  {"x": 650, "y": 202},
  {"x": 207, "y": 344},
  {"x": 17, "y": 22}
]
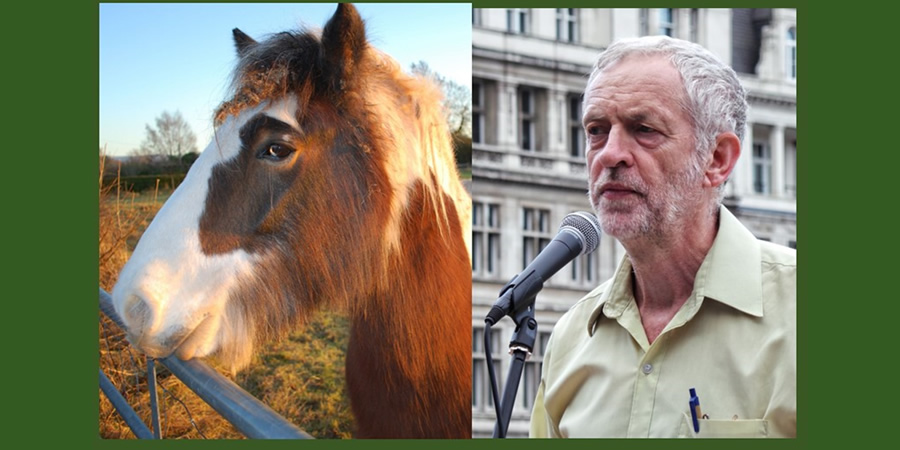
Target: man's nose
[{"x": 618, "y": 150}]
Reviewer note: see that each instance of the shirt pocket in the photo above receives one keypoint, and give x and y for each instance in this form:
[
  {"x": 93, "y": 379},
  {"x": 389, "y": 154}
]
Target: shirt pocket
[{"x": 741, "y": 428}]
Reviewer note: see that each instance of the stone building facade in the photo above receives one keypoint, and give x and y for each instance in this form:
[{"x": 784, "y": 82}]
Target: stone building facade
[{"x": 529, "y": 70}]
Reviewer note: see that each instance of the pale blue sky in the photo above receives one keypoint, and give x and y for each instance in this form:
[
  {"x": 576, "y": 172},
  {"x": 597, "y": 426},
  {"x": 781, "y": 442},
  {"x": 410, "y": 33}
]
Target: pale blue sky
[{"x": 178, "y": 57}]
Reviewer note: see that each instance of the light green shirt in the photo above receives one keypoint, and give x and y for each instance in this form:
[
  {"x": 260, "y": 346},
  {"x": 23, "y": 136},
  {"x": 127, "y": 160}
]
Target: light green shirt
[{"x": 734, "y": 340}]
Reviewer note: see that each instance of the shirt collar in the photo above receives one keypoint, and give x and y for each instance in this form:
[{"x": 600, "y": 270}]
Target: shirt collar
[
  {"x": 733, "y": 274},
  {"x": 730, "y": 274}
]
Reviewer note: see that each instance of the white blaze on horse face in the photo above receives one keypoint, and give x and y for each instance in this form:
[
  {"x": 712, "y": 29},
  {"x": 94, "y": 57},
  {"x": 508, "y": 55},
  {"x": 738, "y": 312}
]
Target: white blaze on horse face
[{"x": 170, "y": 294}]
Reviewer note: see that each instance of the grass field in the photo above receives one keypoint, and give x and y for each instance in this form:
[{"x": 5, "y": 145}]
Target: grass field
[{"x": 301, "y": 377}]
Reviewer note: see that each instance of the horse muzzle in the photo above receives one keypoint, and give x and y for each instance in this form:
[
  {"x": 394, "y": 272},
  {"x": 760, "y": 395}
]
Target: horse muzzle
[{"x": 147, "y": 332}]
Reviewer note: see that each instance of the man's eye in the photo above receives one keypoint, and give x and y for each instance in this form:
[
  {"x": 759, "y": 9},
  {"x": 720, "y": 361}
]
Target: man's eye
[
  {"x": 277, "y": 152},
  {"x": 645, "y": 129}
]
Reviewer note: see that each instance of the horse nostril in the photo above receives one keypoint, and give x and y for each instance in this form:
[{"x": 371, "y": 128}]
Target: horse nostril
[{"x": 138, "y": 315}]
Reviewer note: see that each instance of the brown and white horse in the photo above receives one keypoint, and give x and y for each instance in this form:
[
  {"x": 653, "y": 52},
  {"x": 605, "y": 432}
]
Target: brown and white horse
[{"x": 330, "y": 183}]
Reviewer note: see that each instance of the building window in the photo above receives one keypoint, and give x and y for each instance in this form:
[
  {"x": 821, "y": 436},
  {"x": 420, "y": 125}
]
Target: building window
[
  {"x": 576, "y": 131},
  {"x": 477, "y": 111},
  {"x": 762, "y": 168},
  {"x": 645, "y": 21},
  {"x": 518, "y": 21},
  {"x": 566, "y": 24},
  {"x": 482, "y": 400},
  {"x": 476, "y": 17},
  {"x": 527, "y": 120},
  {"x": 695, "y": 25},
  {"x": 791, "y": 53},
  {"x": 531, "y": 372},
  {"x": 535, "y": 233},
  {"x": 485, "y": 239},
  {"x": 667, "y": 22},
  {"x": 792, "y": 244}
]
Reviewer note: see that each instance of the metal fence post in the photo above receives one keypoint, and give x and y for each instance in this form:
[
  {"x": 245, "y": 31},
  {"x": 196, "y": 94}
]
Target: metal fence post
[{"x": 154, "y": 401}]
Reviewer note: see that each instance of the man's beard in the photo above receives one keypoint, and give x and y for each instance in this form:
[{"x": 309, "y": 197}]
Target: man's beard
[{"x": 653, "y": 212}]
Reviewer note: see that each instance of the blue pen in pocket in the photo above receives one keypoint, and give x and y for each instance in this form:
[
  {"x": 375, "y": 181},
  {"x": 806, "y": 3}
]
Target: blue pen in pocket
[{"x": 695, "y": 410}]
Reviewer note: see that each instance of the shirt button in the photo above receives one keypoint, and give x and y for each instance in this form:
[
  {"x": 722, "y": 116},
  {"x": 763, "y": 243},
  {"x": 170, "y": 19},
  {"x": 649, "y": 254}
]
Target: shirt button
[{"x": 647, "y": 368}]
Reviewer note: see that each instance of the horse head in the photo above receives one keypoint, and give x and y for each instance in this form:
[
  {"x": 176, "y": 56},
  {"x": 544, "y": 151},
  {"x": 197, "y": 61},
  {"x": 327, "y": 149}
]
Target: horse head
[{"x": 300, "y": 198}]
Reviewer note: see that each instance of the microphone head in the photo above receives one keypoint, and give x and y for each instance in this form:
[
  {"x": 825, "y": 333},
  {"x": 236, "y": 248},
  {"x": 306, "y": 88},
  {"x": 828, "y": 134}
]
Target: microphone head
[{"x": 586, "y": 227}]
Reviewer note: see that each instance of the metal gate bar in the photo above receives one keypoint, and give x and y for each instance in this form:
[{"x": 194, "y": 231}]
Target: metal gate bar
[
  {"x": 250, "y": 416},
  {"x": 124, "y": 409}
]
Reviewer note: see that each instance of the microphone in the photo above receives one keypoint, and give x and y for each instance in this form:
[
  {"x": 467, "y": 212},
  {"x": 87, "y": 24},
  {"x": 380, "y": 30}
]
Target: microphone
[{"x": 579, "y": 234}]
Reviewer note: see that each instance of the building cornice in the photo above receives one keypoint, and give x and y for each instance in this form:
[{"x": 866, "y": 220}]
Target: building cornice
[
  {"x": 529, "y": 61},
  {"x": 530, "y": 178},
  {"x": 754, "y": 98}
]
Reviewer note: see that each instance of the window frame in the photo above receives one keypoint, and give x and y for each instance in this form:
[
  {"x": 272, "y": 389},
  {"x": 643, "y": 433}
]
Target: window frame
[
  {"x": 567, "y": 25},
  {"x": 478, "y": 111},
  {"x": 527, "y": 139},
  {"x": 482, "y": 399},
  {"x": 761, "y": 168},
  {"x": 667, "y": 28},
  {"x": 536, "y": 231},
  {"x": 486, "y": 239},
  {"x": 791, "y": 53},
  {"x": 575, "y": 142},
  {"x": 518, "y": 20}
]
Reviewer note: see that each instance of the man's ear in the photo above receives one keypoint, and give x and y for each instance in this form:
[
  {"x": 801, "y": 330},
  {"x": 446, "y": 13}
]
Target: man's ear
[{"x": 724, "y": 158}]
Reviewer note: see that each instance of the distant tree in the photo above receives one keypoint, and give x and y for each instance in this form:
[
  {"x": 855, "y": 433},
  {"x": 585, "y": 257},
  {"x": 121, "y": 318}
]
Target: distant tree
[
  {"x": 172, "y": 138},
  {"x": 462, "y": 147},
  {"x": 457, "y": 99}
]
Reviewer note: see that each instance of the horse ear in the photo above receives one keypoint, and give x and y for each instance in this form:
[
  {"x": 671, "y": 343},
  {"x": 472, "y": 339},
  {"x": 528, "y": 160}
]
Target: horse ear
[
  {"x": 242, "y": 41},
  {"x": 343, "y": 41}
]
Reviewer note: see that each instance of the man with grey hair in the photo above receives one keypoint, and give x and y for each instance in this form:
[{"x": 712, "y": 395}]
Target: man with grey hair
[{"x": 699, "y": 312}]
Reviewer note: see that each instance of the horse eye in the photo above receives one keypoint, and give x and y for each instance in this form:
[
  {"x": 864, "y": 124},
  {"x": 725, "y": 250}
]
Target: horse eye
[{"x": 277, "y": 152}]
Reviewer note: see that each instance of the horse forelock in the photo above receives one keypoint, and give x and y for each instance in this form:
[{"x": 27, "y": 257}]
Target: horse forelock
[{"x": 284, "y": 63}]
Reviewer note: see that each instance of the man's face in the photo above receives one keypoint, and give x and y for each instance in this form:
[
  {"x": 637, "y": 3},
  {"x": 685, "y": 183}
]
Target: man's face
[{"x": 641, "y": 158}]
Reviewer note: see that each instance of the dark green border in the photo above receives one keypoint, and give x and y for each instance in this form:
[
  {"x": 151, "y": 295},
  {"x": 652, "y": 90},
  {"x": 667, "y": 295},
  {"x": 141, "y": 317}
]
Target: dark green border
[
  {"x": 50, "y": 94},
  {"x": 51, "y": 227}
]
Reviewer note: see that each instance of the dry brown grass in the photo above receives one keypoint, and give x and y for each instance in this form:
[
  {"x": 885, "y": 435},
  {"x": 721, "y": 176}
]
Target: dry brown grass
[{"x": 301, "y": 378}]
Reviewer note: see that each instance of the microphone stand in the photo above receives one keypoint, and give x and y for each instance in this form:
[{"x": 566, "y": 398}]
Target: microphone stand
[
  {"x": 579, "y": 233},
  {"x": 520, "y": 347},
  {"x": 521, "y": 311}
]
